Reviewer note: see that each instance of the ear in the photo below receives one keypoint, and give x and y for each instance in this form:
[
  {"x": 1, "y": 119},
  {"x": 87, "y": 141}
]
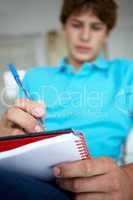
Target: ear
[
  {"x": 109, "y": 32},
  {"x": 63, "y": 27}
]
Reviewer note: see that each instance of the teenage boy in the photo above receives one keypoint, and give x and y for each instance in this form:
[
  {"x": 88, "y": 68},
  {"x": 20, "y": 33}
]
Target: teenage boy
[{"x": 84, "y": 92}]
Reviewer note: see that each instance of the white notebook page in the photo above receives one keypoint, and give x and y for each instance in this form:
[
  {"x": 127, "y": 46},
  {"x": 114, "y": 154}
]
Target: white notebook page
[{"x": 38, "y": 158}]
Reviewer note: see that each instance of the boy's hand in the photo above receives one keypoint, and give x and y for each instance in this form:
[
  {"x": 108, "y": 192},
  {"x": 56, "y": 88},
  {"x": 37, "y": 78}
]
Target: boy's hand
[
  {"x": 22, "y": 117},
  {"x": 95, "y": 179}
]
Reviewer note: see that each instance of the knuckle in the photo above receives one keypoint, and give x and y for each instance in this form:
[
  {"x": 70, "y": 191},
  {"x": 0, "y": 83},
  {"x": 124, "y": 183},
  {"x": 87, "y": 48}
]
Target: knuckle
[
  {"x": 75, "y": 186},
  {"x": 40, "y": 103},
  {"x": 25, "y": 120},
  {"x": 116, "y": 185},
  {"x": 22, "y": 103},
  {"x": 108, "y": 162},
  {"x": 31, "y": 124},
  {"x": 19, "y": 102},
  {"x": 9, "y": 113},
  {"x": 116, "y": 197},
  {"x": 87, "y": 168}
]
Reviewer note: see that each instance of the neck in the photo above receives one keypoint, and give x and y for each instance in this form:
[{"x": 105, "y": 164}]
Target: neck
[{"x": 77, "y": 64}]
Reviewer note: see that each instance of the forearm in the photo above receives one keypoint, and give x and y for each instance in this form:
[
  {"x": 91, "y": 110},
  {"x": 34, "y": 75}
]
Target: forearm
[{"x": 128, "y": 169}]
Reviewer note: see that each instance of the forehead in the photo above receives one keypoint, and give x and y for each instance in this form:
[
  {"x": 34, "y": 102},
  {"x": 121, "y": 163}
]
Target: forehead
[{"x": 87, "y": 16}]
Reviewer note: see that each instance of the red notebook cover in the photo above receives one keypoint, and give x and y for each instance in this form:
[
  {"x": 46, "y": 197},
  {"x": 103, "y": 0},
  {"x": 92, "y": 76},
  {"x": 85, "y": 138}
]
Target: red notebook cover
[{"x": 12, "y": 142}]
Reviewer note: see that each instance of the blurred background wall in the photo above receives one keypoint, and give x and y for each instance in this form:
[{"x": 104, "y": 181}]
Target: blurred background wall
[{"x": 19, "y": 17}]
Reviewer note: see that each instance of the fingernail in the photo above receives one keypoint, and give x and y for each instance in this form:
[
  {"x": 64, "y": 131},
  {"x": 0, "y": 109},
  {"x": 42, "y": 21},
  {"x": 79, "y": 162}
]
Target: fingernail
[
  {"x": 38, "y": 112},
  {"x": 57, "y": 172},
  {"x": 38, "y": 128}
]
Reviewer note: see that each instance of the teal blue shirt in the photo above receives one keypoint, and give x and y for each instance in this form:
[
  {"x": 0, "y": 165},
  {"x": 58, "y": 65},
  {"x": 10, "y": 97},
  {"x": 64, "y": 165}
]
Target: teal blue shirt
[{"x": 98, "y": 100}]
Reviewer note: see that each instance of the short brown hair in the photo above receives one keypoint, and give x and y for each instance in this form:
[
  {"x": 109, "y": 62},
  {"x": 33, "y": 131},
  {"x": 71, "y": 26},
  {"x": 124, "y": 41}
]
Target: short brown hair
[{"x": 105, "y": 10}]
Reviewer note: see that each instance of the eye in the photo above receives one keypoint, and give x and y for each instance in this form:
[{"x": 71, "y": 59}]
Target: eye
[
  {"x": 97, "y": 28},
  {"x": 75, "y": 25}
]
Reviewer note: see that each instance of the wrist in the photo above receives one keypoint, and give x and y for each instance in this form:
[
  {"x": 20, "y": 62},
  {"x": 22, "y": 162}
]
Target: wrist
[{"x": 128, "y": 171}]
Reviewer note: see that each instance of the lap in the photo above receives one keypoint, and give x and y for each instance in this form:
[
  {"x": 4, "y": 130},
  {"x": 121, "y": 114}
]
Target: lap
[{"x": 16, "y": 186}]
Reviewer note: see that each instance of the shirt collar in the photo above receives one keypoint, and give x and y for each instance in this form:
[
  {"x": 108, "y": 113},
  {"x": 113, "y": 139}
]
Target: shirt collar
[{"x": 100, "y": 63}]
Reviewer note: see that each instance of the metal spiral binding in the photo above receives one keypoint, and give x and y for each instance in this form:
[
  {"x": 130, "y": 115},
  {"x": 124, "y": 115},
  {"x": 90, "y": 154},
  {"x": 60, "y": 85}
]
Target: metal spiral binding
[{"x": 82, "y": 147}]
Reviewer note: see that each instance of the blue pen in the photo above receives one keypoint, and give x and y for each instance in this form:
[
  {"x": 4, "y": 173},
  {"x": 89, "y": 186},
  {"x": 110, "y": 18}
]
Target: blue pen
[{"x": 20, "y": 85}]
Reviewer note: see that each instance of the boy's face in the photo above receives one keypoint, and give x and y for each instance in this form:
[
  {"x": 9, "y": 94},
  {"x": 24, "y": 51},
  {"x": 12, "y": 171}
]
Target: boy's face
[{"x": 85, "y": 35}]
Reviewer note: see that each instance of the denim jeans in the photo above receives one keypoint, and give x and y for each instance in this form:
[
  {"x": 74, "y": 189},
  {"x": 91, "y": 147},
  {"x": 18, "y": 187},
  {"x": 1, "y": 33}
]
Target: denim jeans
[{"x": 19, "y": 187}]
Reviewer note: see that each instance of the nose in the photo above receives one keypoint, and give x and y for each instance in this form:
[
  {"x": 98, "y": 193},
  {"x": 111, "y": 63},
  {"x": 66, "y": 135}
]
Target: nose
[{"x": 85, "y": 34}]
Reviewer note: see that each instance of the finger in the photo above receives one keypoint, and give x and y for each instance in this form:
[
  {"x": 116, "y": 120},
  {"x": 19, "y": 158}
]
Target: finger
[
  {"x": 84, "y": 168},
  {"x": 100, "y": 183},
  {"x": 92, "y": 196},
  {"x": 11, "y": 131},
  {"x": 22, "y": 119},
  {"x": 16, "y": 132},
  {"x": 37, "y": 109},
  {"x": 9, "y": 128}
]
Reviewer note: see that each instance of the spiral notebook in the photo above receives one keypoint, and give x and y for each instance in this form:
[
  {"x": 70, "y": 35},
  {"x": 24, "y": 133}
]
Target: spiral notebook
[{"x": 36, "y": 154}]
